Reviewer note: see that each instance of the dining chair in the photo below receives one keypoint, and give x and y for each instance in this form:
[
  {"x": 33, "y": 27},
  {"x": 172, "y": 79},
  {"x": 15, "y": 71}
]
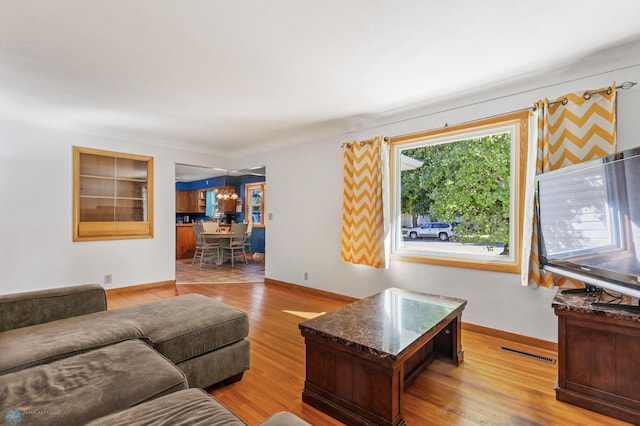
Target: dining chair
[
  {"x": 236, "y": 244},
  {"x": 204, "y": 249},
  {"x": 247, "y": 239},
  {"x": 210, "y": 226}
]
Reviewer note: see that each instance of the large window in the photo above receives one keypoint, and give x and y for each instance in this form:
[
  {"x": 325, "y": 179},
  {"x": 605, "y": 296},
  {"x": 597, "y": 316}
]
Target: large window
[
  {"x": 112, "y": 195},
  {"x": 458, "y": 194}
]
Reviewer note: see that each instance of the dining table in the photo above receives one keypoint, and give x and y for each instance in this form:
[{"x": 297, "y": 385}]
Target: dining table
[{"x": 223, "y": 239}]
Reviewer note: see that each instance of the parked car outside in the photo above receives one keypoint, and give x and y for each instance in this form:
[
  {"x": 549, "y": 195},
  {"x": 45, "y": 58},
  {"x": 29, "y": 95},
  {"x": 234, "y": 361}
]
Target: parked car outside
[{"x": 431, "y": 230}]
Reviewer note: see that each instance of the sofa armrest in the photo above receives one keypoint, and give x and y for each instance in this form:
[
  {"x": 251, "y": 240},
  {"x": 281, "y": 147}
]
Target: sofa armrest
[{"x": 35, "y": 307}]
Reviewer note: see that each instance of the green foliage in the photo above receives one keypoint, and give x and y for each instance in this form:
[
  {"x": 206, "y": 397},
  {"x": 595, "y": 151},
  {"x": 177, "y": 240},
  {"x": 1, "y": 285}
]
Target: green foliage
[{"x": 465, "y": 182}]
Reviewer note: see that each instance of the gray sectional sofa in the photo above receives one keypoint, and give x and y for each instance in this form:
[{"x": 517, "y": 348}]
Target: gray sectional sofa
[{"x": 65, "y": 359}]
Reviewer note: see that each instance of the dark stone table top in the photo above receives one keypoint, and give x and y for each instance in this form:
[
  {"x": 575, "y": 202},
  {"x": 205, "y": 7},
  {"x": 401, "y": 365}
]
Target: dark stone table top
[
  {"x": 384, "y": 324},
  {"x": 583, "y": 304}
]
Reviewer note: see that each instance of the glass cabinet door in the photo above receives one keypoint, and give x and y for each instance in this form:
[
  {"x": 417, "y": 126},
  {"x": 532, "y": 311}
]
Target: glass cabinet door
[{"x": 112, "y": 197}]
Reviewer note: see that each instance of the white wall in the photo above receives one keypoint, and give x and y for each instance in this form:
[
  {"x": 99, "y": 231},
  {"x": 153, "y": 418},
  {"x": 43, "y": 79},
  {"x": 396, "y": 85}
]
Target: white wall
[
  {"x": 304, "y": 189},
  {"x": 304, "y": 196},
  {"x": 36, "y": 248}
]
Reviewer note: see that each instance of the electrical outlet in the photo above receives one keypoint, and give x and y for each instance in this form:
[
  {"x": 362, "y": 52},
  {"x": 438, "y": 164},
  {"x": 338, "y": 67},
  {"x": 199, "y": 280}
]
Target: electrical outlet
[
  {"x": 107, "y": 279},
  {"x": 306, "y": 276}
]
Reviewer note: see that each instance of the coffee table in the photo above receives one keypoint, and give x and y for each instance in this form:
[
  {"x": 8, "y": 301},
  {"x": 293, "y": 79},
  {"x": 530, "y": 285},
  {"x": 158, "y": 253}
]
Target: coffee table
[{"x": 360, "y": 358}]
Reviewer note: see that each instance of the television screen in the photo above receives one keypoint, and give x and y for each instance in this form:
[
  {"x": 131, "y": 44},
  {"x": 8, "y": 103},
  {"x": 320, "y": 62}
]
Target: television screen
[{"x": 589, "y": 221}]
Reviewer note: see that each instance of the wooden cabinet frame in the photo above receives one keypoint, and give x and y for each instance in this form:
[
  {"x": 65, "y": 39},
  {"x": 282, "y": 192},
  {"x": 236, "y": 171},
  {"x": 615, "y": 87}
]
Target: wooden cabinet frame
[{"x": 112, "y": 195}]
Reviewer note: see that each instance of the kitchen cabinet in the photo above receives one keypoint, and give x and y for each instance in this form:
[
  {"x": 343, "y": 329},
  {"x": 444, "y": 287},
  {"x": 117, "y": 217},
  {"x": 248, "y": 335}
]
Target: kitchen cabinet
[
  {"x": 185, "y": 241},
  {"x": 182, "y": 201},
  {"x": 198, "y": 201},
  {"x": 195, "y": 201},
  {"x": 201, "y": 201},
  {"x": 191, "y": 201}
]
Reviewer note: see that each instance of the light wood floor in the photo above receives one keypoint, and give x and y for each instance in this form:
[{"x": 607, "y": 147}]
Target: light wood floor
[{"x": 491, "y": 386}]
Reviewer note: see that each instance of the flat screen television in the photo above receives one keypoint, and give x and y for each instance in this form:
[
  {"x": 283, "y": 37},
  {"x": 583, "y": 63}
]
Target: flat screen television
[{"x": 589, "y": 222}]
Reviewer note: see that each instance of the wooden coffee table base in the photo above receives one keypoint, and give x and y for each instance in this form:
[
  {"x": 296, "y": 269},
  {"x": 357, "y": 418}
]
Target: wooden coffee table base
[{"x": 359, "y": 388}]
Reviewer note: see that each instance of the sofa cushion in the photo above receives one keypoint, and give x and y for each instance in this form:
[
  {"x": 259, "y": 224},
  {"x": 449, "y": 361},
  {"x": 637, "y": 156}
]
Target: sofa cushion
[
  {"x": 192, "y": 407},
  {"x": 36, "y": 307},
  {"x": 187, "y": 326},
  {"x": 227, "y": 363},
  {"x": 83, "y": 387},
  {"x": 38, "y": 344}
]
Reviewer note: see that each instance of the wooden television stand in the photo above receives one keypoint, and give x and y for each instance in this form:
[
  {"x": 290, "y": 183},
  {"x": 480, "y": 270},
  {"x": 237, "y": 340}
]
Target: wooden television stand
[{"x": 598, "y": 356}]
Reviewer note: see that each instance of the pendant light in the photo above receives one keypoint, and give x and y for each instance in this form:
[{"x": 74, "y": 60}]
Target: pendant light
[{"x": 226, "y": 193}]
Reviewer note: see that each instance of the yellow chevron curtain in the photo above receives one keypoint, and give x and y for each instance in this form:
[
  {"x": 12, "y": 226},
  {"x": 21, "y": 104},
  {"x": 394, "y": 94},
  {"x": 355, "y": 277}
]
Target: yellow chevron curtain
[
  {"x": 574, "y": 128},
  {"x": 365, "y": 211}
]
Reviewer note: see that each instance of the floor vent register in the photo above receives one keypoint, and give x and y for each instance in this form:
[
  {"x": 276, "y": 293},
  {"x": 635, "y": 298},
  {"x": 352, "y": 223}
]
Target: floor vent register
[{"x": 529, "y": 354}]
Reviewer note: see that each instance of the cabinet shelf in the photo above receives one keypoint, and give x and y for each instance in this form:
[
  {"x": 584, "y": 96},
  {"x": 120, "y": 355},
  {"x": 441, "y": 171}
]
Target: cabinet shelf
[
  {"x": 106, "y": 197},
  {"x": 114, "y": 178}
]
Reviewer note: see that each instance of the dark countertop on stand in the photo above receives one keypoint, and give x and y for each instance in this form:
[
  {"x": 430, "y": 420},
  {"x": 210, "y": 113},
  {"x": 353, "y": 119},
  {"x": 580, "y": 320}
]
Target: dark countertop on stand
[{"x": 581, "y": 303}]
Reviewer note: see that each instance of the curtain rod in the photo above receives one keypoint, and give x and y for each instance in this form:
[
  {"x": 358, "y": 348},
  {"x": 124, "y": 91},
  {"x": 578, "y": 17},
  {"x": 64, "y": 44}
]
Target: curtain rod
[
  {"x": 587, "y": 95},
  {"x": 624, "y": 86},
  {"x": 365, "y": 142}
]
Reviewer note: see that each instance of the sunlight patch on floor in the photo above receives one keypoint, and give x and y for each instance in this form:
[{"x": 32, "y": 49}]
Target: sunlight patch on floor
[{"x": 306, "y": 315}]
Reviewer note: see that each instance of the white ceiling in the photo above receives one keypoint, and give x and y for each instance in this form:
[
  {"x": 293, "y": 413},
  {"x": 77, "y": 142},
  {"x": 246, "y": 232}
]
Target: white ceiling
[{"x": 239, "y": 76}]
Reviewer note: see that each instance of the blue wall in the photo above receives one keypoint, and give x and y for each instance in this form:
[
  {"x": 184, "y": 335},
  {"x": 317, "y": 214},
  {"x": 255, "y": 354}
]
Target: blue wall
[
  {"x": 204, "y": 183},
  {"x": 238, "y": 182}
]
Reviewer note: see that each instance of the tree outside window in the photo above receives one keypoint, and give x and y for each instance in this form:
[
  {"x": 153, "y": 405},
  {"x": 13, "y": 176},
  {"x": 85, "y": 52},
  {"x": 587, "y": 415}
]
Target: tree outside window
[
  {"x": 468, "y": 177},
  {"x": 465, "y": 183}
]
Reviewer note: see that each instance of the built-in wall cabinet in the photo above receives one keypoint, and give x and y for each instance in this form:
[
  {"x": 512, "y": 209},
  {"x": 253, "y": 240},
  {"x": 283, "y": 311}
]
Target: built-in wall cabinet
[{"x": 112, "y": 195}]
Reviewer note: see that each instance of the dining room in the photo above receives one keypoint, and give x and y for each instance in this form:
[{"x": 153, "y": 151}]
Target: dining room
[
  {"x": 218, "y": 256},
  {"x": 220, "y": 226}
]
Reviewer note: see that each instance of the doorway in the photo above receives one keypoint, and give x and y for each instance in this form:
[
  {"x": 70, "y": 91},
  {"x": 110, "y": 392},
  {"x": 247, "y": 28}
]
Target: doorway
[{"x": 192, "y": 184}]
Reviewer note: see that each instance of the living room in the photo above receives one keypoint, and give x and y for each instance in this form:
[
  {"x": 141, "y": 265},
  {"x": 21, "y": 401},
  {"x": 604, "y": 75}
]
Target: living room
[{"x": 304, "y": 184}]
